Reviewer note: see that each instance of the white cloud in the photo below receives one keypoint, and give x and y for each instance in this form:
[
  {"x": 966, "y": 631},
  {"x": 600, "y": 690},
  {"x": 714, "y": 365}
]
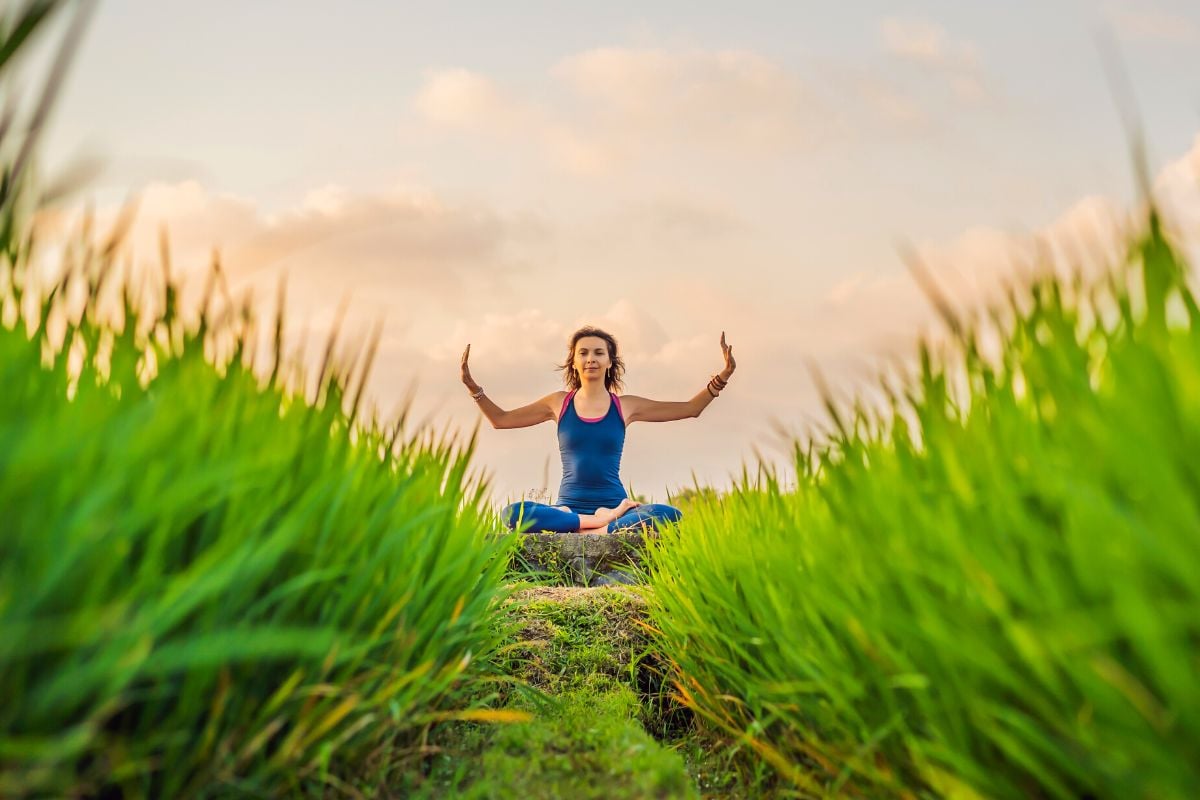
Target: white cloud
[
  {"x": 605, "y": 110},
  {"x": 462, "y": 98},
  {"x": 638, "y": 331},
  {"x": 608, "y": 106},
  {"x": 405, "y": 243},
  {"x": 1177, "y": 191},
  {"x": 882, "y": 98},
  {"x": 930, "y": 46},
  {"x": 1147, "y": 22},
  {"x": 505, "y": 339},
  {"x": 721, "y": 98},
  {"x": 926, "y": 43}
]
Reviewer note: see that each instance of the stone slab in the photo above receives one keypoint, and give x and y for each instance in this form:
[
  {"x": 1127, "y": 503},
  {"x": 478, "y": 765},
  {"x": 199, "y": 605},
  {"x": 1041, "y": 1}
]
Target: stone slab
[{"x": 589, "y": 559}]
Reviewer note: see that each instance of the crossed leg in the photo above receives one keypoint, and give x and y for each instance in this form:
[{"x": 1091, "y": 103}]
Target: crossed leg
[{"x": 647, "y": 515}]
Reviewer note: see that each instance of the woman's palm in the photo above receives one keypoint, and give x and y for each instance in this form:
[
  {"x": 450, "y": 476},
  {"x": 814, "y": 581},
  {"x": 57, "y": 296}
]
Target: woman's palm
[{"x": 466, "y": 370}]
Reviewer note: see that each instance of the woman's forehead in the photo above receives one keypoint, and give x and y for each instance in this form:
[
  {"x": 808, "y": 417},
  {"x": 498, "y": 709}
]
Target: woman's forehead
[{"x": 591, "y": 343}]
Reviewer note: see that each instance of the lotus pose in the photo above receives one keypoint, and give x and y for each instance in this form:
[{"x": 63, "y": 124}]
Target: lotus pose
[{"x": 591, "y": 436}]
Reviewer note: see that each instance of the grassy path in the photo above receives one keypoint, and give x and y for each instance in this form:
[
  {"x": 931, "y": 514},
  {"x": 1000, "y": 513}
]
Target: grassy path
[{"x": 600, "y": 724}]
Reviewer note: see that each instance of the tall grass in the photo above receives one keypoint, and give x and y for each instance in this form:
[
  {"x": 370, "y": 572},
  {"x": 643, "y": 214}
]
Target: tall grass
[
  {"x": 210, "y": 583},
  {"x": 991, "y": 590}
]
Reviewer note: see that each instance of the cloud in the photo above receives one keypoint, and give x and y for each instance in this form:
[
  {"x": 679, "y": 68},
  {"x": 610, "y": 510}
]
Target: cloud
[
  {"x": 1177, "y": 185},
  {"x": 532, "y": 335},
  {"x": 870, "y": 322},
  {"x": 975, "y": 266},
  {"x": 1177, "y": 191},
  {"x": 925, "y": 43},
  {"x": 982, "y": 261},
  {"x": 459, "y": 97},
  {"x": 1149, "y": 23},
  {"x": 402, "y": 246},
  {"x": 604, "y": 110},
  {"x": 883, "y": 99},
  {"x": 505, "y": 338},
  {"x": 718, "y": 98},
  {"x": 930, "y": 46},
  {"x": 612, "y": 105},
  {"x": 638, "y": 331}
]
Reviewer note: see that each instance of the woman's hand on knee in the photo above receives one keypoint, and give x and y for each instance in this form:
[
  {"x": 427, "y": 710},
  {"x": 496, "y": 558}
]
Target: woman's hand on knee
[
  {"x": 604, "y": 516},
  {"x": 626, "y": 505}
]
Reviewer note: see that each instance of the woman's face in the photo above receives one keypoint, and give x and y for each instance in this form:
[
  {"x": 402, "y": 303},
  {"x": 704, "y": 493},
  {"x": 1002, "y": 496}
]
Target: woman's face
[{"x": 591, "y": 358}]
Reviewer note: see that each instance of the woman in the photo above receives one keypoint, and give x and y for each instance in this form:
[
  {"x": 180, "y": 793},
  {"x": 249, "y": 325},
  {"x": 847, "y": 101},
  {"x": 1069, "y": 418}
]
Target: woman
[{"x": 591, "y": 436}]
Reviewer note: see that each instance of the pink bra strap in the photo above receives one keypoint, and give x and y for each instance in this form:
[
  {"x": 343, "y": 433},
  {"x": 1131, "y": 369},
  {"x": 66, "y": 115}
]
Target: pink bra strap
[
  {"x": 617, "y": 400},
  {"x": 563, "y": 410}
]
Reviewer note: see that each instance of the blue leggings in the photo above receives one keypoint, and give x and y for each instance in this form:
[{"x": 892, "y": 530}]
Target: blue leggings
[{"x": 541, "y": 517}]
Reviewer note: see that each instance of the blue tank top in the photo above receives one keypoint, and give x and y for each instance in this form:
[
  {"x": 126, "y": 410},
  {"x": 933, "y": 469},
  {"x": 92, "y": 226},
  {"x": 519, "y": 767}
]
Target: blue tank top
[{"x": 591, "y": 457}]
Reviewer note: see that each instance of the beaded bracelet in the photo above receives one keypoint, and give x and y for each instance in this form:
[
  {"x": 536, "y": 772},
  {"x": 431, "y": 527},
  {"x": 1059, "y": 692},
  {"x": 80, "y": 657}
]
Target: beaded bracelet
[{"x": 477, "y": 395}]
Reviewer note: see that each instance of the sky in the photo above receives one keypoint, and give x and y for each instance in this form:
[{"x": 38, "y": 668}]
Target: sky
[{"x": 501, "y": 174}]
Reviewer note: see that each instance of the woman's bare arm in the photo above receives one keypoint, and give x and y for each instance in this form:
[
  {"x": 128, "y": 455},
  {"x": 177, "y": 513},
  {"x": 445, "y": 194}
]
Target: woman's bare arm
[
  {"x": 642, "y": 409},
  {"x": 536, "y": 412}
]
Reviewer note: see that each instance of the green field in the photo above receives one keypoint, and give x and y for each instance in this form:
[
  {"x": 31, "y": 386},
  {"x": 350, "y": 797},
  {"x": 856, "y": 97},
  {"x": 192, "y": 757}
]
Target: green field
[
  {"x": 990, "y": 590},
  {"x": 219, "y": 576}
]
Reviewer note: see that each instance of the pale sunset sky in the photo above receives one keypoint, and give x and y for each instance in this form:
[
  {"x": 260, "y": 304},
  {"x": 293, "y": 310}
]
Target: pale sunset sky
[{"x": 502, "y": 173}]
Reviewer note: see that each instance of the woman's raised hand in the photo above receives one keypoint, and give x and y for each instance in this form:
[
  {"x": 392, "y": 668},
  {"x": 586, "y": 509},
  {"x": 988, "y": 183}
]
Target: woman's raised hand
[
  {"x": 727, "y": 352},
  {"x": 467, "y": 380}
]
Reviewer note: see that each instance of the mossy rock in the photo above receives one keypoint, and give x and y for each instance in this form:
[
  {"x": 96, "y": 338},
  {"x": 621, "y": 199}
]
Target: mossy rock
[{"x": 584, "y": 558}]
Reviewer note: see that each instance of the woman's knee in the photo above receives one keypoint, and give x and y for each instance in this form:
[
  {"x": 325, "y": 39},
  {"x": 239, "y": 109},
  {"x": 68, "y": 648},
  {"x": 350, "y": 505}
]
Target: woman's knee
[
  {"x": 664, "y": 512},
  {"x": 514, "y": 513},
  {"x": 647, "y": 515}
]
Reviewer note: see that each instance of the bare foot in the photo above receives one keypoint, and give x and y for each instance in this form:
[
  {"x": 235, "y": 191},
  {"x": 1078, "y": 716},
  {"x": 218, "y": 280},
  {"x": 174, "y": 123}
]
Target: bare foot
[{"x": 626, "y": 505}]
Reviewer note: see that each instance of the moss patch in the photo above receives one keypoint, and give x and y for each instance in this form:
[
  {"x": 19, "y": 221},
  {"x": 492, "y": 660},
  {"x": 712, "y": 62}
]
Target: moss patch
[
  {"x": 602, "y": 723},
  {"x": 587, "y": 744},
  {"x": 565, "y": 638}
]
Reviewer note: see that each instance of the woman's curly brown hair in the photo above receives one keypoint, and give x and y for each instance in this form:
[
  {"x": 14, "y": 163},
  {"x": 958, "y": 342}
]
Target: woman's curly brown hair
[{"x": 612, "y": 377}]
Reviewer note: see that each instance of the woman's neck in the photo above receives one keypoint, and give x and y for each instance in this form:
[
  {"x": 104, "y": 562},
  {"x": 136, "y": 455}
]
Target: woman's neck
[{"x": 592, "y": 391}]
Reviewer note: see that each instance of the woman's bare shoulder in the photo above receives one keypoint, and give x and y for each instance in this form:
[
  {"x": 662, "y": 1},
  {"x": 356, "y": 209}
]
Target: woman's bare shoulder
[
  {"x": 630, "y": 405},
  {"x": 555, "y": 400}
]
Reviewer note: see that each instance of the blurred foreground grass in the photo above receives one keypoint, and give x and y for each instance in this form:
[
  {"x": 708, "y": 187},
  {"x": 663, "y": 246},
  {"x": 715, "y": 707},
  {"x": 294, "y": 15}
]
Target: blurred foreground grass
[
  {"x": 990, "y": 590},
  {"x": 210, "y": 584}
]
